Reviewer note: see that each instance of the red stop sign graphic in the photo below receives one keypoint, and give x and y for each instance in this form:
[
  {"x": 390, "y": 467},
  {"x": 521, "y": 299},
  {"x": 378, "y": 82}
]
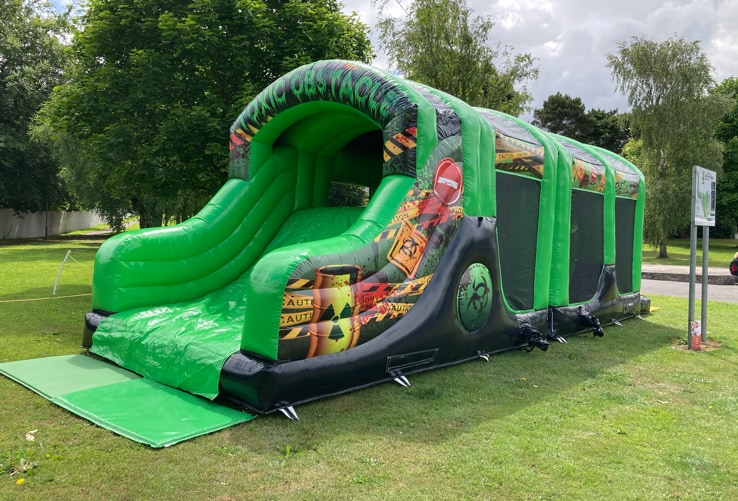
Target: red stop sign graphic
[{"x": 447, "y": 181}]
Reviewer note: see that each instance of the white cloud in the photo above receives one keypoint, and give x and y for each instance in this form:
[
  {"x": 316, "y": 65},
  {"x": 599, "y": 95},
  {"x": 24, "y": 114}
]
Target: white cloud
[
  {"x": 544, "y": 7},
  {"x": 511, "y": 20},
  {"x": 553, "y": 47},
  {"x": 571, "y": 38}
]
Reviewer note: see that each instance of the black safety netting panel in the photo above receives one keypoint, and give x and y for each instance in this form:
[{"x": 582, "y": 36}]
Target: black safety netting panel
[
  {"x": 586, "y": 255},
  {"x": 518, "y": 200},
  {"x": 625, "y": 209}
]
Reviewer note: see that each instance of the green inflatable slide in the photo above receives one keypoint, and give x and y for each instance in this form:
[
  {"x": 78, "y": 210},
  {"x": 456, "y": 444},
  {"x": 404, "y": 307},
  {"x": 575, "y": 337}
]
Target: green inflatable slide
[{"x": 481, "y": 234}]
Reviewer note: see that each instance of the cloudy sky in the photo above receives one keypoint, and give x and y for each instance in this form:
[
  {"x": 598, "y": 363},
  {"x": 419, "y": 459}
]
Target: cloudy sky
[{"x": 571, "y": 38}]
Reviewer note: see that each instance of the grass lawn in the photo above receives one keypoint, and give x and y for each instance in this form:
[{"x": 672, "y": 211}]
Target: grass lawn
[
  {"x": 720, "y": 254},
  {"x": 630, "y": 416}
]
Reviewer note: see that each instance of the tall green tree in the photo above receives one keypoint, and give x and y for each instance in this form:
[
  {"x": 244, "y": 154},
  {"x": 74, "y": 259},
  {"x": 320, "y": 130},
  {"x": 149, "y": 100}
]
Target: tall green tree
[
  {"x": 563, "y": 114},
  {"x": 609, "y": 129},
  {"x": 726, "y": 207},
  {"x": 441, "y": 43},
  {"x": 32, "y": 59},
  {"x": 667, "y": 86},
  {"x": 142, "y": 125},
  {"x": 566, "y": 115}
]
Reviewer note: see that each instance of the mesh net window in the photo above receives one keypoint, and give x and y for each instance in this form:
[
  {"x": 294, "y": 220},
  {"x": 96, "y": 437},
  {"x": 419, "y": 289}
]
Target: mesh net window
[
  {"x": 586, "y": 258},
  {"x": 518, "y": 201},
  {"x": 625, "y": 209}
]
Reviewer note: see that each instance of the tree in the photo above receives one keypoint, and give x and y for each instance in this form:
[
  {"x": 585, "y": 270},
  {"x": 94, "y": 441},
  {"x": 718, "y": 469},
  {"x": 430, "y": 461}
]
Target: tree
[
  {"x": 667, "y": 86},
  {"x": 143, "y": 123},
  {"x": 440, "y": 44},
  {"x": 563, "y": 114},
  {"x": 32, "y": 57},
  {"x": 726, "y": 206},
  {"x": 609, "y": 129},
  {"x": 566, "y": 115},
  {"x": 347, "y": 195}
]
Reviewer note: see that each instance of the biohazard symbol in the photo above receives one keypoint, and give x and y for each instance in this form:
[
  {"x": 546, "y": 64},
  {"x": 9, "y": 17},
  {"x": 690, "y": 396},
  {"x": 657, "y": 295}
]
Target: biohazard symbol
[
  {"x": 410, "y": 248},
  {"x": 407, "y": 250},
  {"x": 474, "y": 300},
  {"x": 480, "y": 295}
]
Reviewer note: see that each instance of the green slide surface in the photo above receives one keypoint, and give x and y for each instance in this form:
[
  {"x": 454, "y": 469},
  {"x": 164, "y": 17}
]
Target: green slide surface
[{"x": 184, "y": 345}]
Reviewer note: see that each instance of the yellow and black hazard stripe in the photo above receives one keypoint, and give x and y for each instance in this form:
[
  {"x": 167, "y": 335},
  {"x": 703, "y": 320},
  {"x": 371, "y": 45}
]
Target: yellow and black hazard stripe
[
  {"x": 389, "y": 234},
  {"x": 408, "y": 211},
  {"x": 514, "y": 155},
  {"x": 377, "y": 314},
  {"x": 400, "y": 143},
  {"x": 292, "y": 318},
  {"x": 300, "y": 283},
  {"x": 371, "y": 294},
  {"x": 512, "y": 144},
  {"x": 412, "y": 287},
  {"x": 297, "y": 301},
  {"x": 535, "y": 169},
  {"x": 509, "y": 156},
  {"x": 450, "y": 214},
  {"x": 293, "y": 333},
  {"x": 384, "y": 310}
]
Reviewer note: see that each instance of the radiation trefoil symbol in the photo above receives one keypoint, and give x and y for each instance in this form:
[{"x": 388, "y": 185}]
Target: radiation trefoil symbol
[{"x": 330, "y": 315}]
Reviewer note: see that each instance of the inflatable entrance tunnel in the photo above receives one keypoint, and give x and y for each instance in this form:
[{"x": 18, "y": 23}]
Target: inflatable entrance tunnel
[{"x": 481, "y": 234}]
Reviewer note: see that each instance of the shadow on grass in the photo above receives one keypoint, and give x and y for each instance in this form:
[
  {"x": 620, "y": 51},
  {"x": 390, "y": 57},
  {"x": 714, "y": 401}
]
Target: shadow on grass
[
  {"x": 46, "y": 293},
  {"x": 447, "y": 402},
  {"x": 92, "y": 240},
  {"x": 442, "y": 403}
]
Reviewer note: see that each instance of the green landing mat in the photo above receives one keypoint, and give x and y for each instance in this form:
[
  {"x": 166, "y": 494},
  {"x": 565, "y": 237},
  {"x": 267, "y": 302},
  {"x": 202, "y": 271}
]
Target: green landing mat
[{"x": 121, "y": 401}]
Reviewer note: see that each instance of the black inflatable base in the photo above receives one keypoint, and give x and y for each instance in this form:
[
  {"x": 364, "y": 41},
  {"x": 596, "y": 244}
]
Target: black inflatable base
[{"x": 430, "y": 335}]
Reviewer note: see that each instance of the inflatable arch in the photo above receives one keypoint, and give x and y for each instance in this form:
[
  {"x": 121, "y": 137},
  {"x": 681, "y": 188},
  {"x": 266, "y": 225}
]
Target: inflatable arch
[{"x": 481, "y": 234}]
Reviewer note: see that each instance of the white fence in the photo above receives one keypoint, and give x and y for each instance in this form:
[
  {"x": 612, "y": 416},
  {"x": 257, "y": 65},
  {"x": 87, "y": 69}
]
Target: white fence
[{"x": 36, "y": 224}]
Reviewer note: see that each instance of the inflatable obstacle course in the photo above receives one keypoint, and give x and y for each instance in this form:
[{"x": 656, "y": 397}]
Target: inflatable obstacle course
[{"x": 481, "y": 234}]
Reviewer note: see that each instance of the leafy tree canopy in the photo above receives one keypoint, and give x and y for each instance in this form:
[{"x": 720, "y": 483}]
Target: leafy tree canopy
[
  {"x": 142, "y": 124},
  {"x": 566, "y": 115},
  {"x": 441, "y": 44},
  {"x": 667, "y": 86},
  {"x": 32, "y": 57},
  {"x": 563, "y": 114},
  {"x": 726, "y": 206}
]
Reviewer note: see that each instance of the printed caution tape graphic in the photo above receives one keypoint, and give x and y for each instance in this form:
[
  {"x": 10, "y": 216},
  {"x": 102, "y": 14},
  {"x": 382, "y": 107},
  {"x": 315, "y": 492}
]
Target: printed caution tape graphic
[
  {"x": 400, "y": 143},
  {"x": 428, "y": 205},
  {"x": 331, "y": 310},
  {"x": 373, "y": 297},
  {"x": 376, "y": 301},
  {"x": 514, "y": 155}
]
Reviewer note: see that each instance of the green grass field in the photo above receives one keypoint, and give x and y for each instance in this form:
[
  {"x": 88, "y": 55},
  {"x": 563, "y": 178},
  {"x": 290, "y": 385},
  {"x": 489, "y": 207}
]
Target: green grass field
[
  {"x": 630, "y": 416},
  {"x": 720, "y": 254}
]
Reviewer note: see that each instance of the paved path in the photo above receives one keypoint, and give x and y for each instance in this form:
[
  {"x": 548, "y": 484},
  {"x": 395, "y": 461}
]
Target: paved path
[
  {"x": 674, "y": 281},
  {"x": 726, "y": 293},
  {"x": 717, "y": 276}
]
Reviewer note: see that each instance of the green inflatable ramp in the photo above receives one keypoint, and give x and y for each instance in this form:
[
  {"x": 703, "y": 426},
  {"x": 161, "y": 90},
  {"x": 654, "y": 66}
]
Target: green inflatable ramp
[{"x": 121, "y": 401}]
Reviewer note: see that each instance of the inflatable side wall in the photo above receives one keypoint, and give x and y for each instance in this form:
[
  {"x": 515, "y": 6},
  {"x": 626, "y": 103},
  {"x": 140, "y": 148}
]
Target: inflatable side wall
[{"x": 481, "y": 234}]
